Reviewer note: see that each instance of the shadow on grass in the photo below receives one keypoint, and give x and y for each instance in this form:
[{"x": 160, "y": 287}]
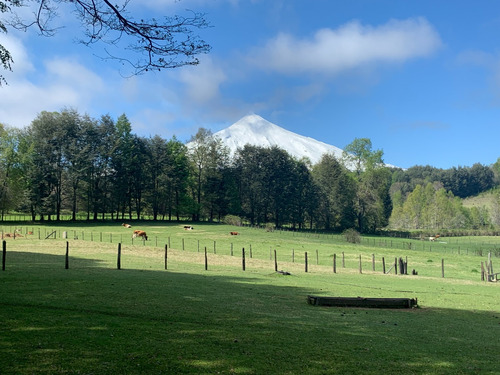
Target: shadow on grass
[{"x": 106, "y": 321}]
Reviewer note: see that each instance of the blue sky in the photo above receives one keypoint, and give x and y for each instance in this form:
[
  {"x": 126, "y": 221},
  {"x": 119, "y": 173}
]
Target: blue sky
[{"x": 420, "y": 78}]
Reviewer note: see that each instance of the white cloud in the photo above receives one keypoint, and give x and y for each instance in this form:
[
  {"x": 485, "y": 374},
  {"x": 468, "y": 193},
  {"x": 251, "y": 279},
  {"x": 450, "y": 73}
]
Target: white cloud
[
  {"x": 349, "y": 46},
  {"x": 22, "y": 63},
  {"x": 60, "y": 83},
  {"x": 202, "y": 82},
  {"x": 71, "y": 73}
]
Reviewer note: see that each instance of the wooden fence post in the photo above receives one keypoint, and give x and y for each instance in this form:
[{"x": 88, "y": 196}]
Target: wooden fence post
[
  {"x": 343, "y": 260},
  {"x": 119, "y": 260},
  {"x": 317, "y": 257},
  {"x": 490, "y": 267},
  {"x": 305, "y": 255},
  {"x": 360, "y": 265},
  {"x": 442, "y": 267},
  {"x": 396, "y": 266},
  {"x": 401, "y": 266},
  {"x": 373, "y": 262},
  {"x": 334, "y": 263},
  {"x": 383, "y": 265},
  {"x": 243, "y": 265},
  {"x": 166, "y": 255},
  {"x": 206, "y": 258},
  {"x": 66, "y": 263},
  {"x": 4, "y": 253},
  {"x": 275, "y": 261}
]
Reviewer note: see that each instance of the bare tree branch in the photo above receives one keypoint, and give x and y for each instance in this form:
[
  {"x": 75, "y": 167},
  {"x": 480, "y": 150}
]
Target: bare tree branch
[{"x": 156, "y": 44}]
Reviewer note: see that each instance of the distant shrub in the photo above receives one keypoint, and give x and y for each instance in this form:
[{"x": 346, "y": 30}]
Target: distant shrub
[
  {"x": 270, "y": 227},
  {"x": 352, "y": 235},
  {"x": 232, "y": 220}
]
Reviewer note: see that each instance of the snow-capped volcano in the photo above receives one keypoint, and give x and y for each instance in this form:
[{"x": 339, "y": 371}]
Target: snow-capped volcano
[{"x": 256, "y": 131}]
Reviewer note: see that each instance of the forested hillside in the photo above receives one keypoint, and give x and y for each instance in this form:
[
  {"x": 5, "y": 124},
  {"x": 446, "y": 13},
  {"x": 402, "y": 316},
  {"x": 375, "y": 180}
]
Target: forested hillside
[{"x": 71, "y": 164}]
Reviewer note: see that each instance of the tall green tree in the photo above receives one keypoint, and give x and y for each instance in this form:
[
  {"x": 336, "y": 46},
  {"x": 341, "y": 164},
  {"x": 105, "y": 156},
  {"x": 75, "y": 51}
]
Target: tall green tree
[
  {"x": 53, "y": 135},
  {"x": 100, "y": 138},
  {"x": 336, "y": 191},
  {"x": 273, "y": 186},
  {"x": 372, "y": 204},
  {"x": 359, "y": 155},
  {"x": 76, "y": 155},
  {"x": 158, "y": 173},
  {"x": 140, "y": 172},
  {"x": 11, "y": 173},
  {"x": 122, "y": 164},
  {"x": 178, "y": 201},
  {"x": 305, "y": 195},
  {"x": 249, "y": 171},
  {"x": 209, "y": 157}
]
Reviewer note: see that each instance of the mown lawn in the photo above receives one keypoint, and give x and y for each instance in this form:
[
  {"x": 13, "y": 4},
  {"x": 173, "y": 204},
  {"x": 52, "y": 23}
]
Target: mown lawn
[{"x": 95, "y": 319}]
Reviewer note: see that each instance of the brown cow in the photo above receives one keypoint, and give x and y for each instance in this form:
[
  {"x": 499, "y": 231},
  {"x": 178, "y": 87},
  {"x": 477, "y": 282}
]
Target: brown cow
[
  {"x": 140, "y": 233},
  {"x": 126, "y": 225},
  {"x": 12, "y": 235},
  {"x": 234, "y": 233}
]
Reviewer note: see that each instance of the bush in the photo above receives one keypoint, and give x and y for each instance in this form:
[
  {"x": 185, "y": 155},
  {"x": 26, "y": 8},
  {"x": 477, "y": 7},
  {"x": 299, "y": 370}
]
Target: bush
[
  {"x": 232, "y": 220},
  {"x": 352, "y": 236},
  {"x": 270, "y": 227}
]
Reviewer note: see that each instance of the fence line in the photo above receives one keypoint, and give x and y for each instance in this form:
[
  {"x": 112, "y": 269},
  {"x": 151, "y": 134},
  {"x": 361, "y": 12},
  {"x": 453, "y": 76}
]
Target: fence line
[
  {"x": 43, "y": 233},
  {"x": 487, "y": 272}
]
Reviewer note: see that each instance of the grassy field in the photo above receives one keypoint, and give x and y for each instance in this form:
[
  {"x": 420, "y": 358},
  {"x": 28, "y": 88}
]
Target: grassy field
[{"x": 95, "y": 319}]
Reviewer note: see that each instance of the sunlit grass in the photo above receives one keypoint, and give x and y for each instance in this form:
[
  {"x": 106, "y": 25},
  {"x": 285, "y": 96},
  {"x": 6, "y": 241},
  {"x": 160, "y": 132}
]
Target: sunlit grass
[{"x": 94, "y": 318}]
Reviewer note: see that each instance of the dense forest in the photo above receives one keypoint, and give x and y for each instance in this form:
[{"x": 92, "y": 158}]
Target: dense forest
[{"x": 65, "y": 163}]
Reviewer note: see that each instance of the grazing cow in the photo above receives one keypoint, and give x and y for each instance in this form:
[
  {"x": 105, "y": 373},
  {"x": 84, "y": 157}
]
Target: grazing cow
[
  {"x": 434, "y": 238},
  {"x": 11, "y": 235},
  {"x": 126, "y": 225},
  {"x": 234, "y": 233},
  {"x": 188, "y": 227},
  {"x": 140, "y": 233}
]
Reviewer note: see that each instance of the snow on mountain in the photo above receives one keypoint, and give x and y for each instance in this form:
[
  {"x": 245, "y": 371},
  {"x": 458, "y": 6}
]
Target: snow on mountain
[{"x": 256, "y": 131}]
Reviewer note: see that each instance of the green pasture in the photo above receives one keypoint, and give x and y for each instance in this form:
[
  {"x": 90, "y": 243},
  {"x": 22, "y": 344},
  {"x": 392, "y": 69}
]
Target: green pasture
[
  {"x": 462, "y": 256},
  {"x": 144, "y": 319}
]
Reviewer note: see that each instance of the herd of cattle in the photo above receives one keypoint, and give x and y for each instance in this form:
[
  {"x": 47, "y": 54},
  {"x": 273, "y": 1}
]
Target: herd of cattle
[{"x": 143, "y": 234}]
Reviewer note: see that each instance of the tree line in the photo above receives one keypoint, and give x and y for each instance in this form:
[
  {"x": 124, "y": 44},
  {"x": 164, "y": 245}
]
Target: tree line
[{"x": 68, "y": 163}]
